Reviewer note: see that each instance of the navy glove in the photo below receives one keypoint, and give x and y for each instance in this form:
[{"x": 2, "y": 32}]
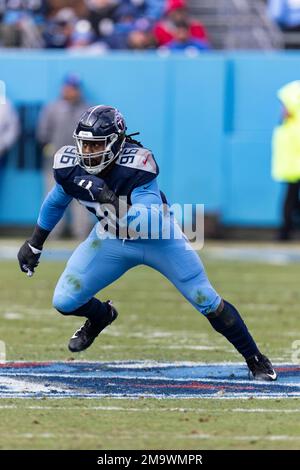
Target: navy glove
[
  {"x": 93, "y": 185},
  {"x": 30, "y": 252},
  {"x": 28, "y": 258}
]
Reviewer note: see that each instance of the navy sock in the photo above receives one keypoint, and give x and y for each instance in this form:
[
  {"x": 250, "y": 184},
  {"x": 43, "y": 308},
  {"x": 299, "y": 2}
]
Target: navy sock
[
  {"x": 230, "y": 324},
  {"x": 93, "y": 310}
]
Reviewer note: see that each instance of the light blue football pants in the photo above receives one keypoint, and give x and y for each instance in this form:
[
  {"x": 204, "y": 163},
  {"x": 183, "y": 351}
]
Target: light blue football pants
[{"x": 98, "y": 262}]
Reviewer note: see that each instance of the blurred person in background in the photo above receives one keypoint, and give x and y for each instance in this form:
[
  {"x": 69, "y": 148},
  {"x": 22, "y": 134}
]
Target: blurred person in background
[
  {"x": 176, "y": 12},
  {"x": 60, "y": 28},
  {"x": 154, "y": 9},
  {"x": 101, "y": 16},
  {"x": 140, "y": 39},
  {"x": 21, "y": 23},
  {"x": 83, "y": 35},
  {"x": 286, "y": 13},
  {"x": 95, "y": 25},
  {"x": 125, "y": 24},
  {"x": 183, "y": 41},
  {"x": 151, "y": 9},
  {"x": 131, "y": 31},
  {"x": 125, "y": 16},
  {"x": 36, "y": 9},
  {"x": 286, "y": 155},
  {"x": 9, "y": 131},
  {"x": 55, "y": 129},
  {"x": 79, "y": 7}
]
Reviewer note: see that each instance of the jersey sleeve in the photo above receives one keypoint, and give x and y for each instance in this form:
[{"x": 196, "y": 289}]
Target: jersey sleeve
[
  {"x": 53, "y": 208},
  {"x": 64, "y": 162},
  {"x": 146, "y": 211},
  {"x": 147, "y": 194},
  {"x": 140, "y": 165},
  {"x": 147, "y": 168},
  {"x": 143, "y": 179}
]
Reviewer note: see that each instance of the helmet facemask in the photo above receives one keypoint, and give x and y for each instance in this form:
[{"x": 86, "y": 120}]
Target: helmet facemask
[{"x": 94, "y": 163}]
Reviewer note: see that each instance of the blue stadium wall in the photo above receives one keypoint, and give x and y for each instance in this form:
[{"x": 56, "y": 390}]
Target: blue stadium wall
[{"x": 208, "y": 119}]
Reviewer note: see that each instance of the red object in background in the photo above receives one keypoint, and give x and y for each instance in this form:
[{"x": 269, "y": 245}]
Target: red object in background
[
  {"x": 163, "y": 32},
  {"x": 174, "y": 4}
]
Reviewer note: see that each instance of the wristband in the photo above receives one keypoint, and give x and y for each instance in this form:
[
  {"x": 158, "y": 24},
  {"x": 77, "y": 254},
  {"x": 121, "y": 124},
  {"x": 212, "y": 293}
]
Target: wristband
[{"x": 38, "y": 237}]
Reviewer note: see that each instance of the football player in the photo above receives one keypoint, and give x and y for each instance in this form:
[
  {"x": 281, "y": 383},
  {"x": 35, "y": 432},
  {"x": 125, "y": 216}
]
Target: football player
[{"x": 115, "y": 177}]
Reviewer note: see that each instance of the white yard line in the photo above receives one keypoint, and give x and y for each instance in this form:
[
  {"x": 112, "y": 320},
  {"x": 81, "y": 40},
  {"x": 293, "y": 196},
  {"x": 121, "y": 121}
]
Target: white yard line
[
  {"x": 278, "y": 438},
  {"x": 264, "y": 410},
  {"x": 241, "y": 438},
  {"x": 147, "y": 410}
]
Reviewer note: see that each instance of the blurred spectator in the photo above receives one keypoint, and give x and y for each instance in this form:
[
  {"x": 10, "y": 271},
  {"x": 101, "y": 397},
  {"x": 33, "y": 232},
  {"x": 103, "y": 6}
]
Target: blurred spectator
[
  {"x": 101, "y": 16},
  {"x": 96, "y": 25},
  {"x": 9, "y": 130},
  {"x": 21, "y": 23},
  {"x": 140, "y": 39},
  {"x": 183, "y": 41},
  {"x": 125, "y": 16},
  {"x": 59, "y": 29},
  {"x": 151, "y": 9},
  {"x": 55, "y": 130},
  {"x": 286, "y": 155},
  {"x": 83, "y": 35},
  {"x": 286, "y": 13},
  {"x": 131, "y": 31},
  {"x": 154, "y": 9},
  {"x": 79, "y": 7},
  {"x": 35, "y": 8},
  {"x": 176, "y": 12}
]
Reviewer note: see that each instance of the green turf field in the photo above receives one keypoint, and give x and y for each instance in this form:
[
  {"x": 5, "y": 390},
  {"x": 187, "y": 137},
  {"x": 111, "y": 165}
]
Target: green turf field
[{"x": 155, "y": 323}]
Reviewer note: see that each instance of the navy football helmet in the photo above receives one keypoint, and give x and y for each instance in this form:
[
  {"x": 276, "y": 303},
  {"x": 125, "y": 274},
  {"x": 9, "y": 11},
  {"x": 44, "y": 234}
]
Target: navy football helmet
[{"x": 100, "y": 124}]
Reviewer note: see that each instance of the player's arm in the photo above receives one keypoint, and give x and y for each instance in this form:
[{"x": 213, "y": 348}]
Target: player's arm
[
  {"x": 146, "y": 208},
  {"x": 50, "y": 214}
]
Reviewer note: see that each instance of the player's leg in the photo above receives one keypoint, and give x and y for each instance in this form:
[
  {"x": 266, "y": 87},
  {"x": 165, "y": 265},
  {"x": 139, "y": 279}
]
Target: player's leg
[
  {"x": 182, "y": 266},
  {"x": 94, "y": 264}
]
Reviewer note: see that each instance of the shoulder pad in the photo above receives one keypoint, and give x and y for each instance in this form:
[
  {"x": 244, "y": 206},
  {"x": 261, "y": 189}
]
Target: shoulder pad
[
  {"x": 65, "y": 157},
  {"x": 138, "y": 159}
]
